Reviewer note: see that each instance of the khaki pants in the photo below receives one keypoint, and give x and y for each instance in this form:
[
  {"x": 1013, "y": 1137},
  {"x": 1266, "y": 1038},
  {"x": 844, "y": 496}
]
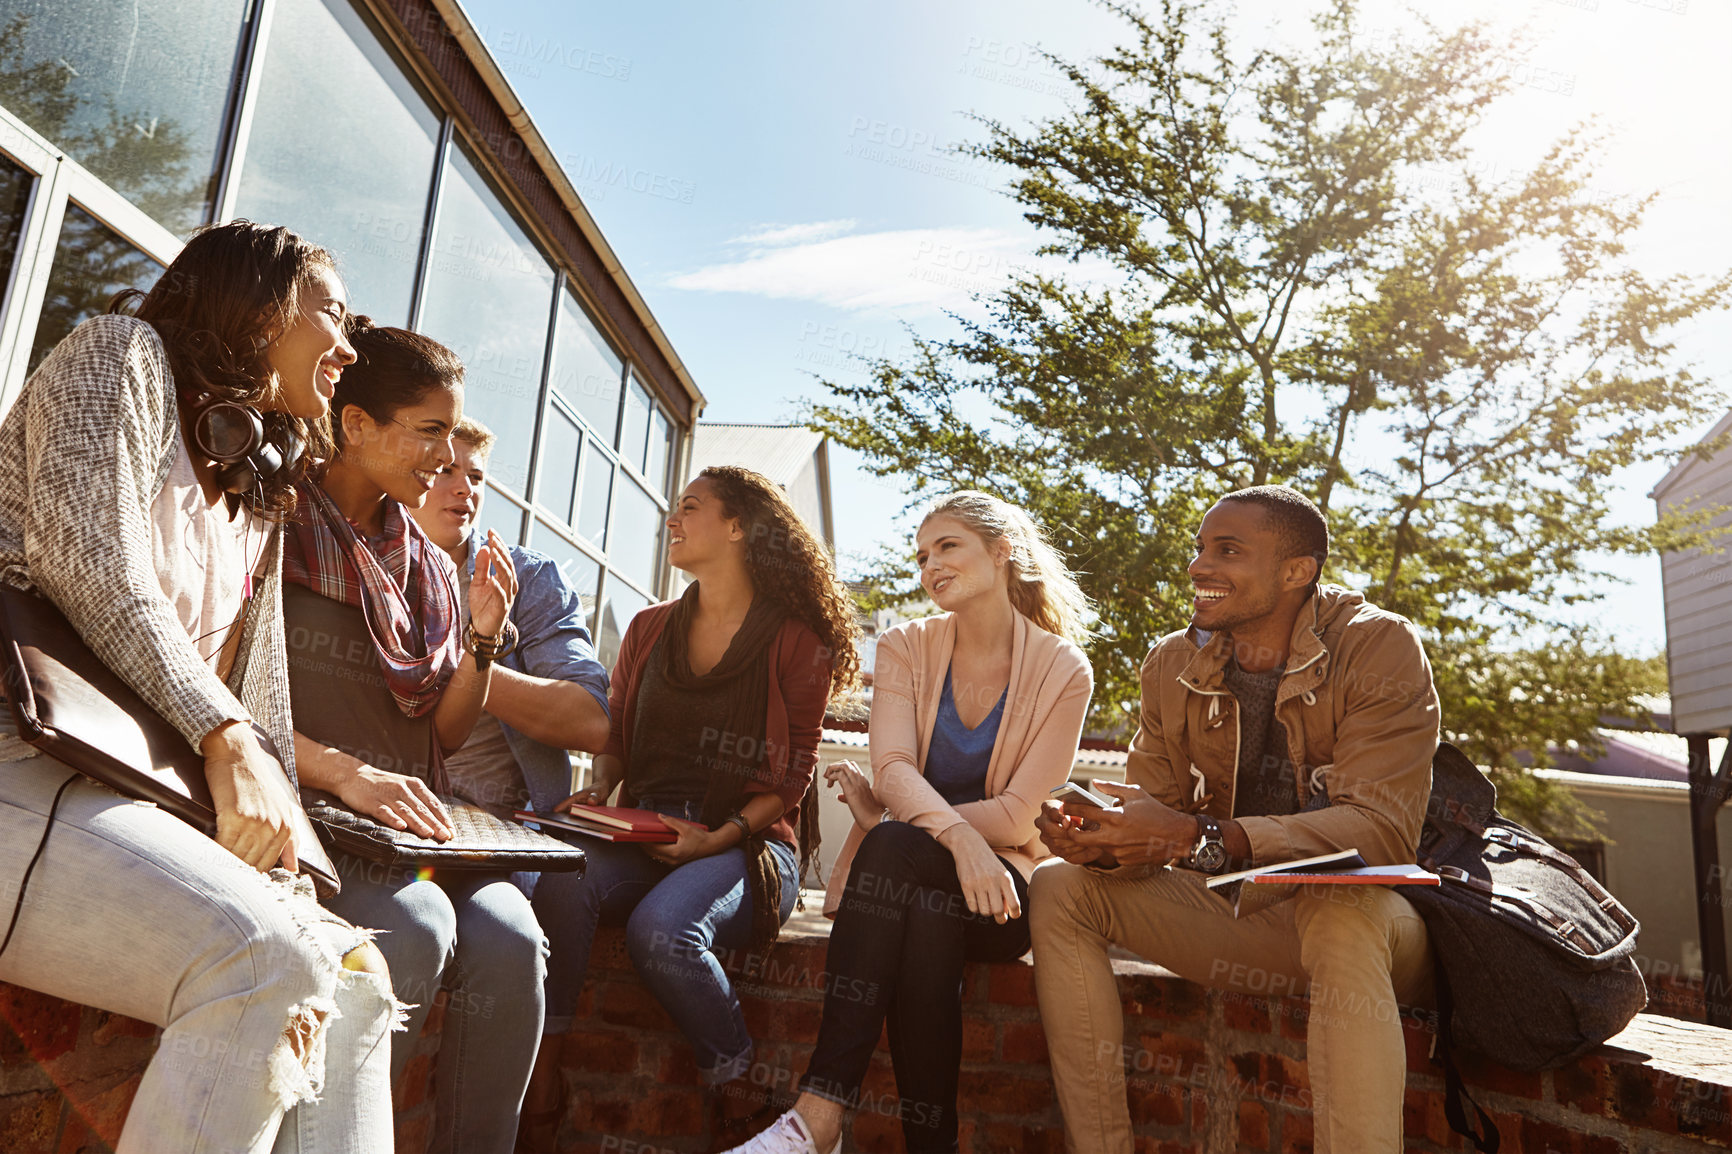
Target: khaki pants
[{"x": 1357, "y": 950}]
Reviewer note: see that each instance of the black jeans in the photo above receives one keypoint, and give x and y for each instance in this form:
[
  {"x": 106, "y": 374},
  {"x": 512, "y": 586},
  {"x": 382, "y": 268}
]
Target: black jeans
[{"x": 897, "y": 950}]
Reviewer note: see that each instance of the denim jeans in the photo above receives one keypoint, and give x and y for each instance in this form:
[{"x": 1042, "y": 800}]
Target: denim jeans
[
  {"x": 676, "y": 921},
  {"x": 133, "y": 911},
  {"x": 472, "y": 933},
  {"x": 901, "y": 938}
]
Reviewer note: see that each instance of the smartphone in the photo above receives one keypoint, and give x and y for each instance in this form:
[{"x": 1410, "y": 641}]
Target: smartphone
[{"x": 1073, "y": 794}]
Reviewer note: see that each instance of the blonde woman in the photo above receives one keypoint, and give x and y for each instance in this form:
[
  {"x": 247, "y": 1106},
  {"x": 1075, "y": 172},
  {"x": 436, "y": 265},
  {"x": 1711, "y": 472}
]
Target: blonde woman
[{"x": 976, "y": 713}]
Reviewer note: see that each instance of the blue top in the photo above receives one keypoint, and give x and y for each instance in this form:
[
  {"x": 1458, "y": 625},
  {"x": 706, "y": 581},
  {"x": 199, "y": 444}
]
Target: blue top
[
  {"x": 957, "y": 758},
  {"x": 552, "y": 642}
]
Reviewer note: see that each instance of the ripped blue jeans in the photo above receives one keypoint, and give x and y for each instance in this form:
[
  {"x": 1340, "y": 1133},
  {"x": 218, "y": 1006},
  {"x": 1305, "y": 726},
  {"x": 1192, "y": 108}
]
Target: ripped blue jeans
[{"x": 268, "y": 1042}]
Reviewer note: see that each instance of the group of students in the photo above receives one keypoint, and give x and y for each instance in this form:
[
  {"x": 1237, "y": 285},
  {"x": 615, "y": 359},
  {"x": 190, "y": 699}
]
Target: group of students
[{"x": 327, "y": 586}]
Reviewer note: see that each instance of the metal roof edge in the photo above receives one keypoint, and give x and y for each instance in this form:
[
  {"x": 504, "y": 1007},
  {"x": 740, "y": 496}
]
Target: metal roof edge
[
  {"x": 1614, "y": 784},
  {"x": 1676, "y": 473}
]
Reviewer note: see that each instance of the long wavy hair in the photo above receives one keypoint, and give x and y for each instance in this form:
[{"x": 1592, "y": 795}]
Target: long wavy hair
[
  {"x": 1042, "y": 587},
  {"x": 233, "y": 289},
  {"x": 789, "y": 563}
]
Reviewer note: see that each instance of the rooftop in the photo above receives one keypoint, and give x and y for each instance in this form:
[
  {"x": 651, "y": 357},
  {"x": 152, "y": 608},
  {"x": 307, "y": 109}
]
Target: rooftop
[{"x": 779, "y": 452}]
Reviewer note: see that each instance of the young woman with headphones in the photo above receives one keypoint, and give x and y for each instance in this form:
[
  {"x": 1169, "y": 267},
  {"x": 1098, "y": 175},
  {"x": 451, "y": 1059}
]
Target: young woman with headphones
[{"x": 143, "y": 470}]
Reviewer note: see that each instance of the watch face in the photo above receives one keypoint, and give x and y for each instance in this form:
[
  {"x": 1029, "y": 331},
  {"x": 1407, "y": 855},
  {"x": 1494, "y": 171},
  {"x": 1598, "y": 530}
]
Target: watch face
[{"x": 1211, "y": 856}]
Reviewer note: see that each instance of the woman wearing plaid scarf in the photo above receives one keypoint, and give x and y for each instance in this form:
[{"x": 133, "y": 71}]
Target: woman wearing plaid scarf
[{"x": 384, "y": 682}]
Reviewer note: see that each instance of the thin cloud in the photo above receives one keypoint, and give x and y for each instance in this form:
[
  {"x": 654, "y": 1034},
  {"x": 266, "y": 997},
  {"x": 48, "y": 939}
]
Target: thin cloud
[
  {"x": 919, "y": 270},
  {"x": 774, "y": 235}
]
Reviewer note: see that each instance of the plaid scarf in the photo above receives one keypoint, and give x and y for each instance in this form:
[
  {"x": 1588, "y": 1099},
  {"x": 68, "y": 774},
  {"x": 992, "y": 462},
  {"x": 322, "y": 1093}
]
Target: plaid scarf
[{"x": 402, "y": 589}]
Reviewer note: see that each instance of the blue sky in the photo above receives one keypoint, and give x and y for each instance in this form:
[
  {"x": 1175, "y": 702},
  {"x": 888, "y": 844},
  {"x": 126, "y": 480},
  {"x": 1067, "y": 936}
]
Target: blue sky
[{"x": 775, "y": 176}]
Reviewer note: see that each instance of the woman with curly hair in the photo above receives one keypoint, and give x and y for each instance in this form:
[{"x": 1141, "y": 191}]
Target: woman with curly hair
[
  {"x": 717, "y": 707},
  {"x": 976, "y": 714}
]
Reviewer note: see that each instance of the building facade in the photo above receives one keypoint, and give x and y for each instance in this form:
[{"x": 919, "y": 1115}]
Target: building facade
[
  {"x": 383, "y": 130},
  {"x": 1698, "y": 601}
]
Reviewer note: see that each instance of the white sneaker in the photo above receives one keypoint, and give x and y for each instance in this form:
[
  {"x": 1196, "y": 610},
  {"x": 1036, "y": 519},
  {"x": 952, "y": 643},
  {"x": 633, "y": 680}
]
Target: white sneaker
[{"x": 787, "y": 1136}]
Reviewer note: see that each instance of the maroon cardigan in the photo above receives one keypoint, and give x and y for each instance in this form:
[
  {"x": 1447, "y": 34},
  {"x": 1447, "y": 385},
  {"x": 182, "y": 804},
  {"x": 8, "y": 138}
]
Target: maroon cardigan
[{"x": 793, "y": 724}]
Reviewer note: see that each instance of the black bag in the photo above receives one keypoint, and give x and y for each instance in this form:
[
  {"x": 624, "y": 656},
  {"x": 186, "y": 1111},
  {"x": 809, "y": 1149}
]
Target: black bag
[
  {"x": 479, "y": 840},
  {"x": 1535, "y": 960}
]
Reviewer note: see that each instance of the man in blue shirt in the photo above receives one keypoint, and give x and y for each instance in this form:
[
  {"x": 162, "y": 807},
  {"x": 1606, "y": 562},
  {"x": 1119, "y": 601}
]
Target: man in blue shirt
[{"x": 546, "y": 697}]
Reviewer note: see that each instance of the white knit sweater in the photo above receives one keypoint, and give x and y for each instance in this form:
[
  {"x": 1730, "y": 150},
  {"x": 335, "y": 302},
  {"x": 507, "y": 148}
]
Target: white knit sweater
[{"x": 83, "y": 452}]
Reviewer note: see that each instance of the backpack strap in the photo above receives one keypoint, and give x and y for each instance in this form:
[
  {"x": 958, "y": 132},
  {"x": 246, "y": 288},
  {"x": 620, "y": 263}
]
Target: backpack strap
[
  {"x": 1541, "y": 848},
  {"x": 1456, "y": 1099},
  {"x": 1565, "y": 930}
]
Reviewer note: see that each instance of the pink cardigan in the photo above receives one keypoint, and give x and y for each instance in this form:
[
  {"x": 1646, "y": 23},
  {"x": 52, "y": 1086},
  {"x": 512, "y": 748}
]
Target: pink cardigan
[{"x": 1050, "y": 685}]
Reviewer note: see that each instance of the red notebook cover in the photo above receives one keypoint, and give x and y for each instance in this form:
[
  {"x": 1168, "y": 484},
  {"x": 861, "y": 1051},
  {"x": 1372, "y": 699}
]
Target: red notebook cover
[
  {"x": 1393, "y": 875},
  {"x": 660, "y": 835},
  {"x": 636, "y": 820}
]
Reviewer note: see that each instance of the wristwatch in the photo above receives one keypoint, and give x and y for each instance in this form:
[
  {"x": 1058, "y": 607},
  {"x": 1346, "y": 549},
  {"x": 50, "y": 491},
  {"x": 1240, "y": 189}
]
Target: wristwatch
[{"x": 1209, "y": 855}]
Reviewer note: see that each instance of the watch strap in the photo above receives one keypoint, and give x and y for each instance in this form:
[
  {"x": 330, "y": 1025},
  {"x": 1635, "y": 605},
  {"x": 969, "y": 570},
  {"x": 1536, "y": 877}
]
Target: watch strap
[{"x": 1208, "y": 834}]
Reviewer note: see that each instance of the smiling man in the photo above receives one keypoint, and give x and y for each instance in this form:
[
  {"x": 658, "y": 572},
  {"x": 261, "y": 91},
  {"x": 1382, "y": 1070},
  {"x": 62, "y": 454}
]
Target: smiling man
[
  {"x": 547, "y": 696},
  {"x": 1290, "y": 719}
]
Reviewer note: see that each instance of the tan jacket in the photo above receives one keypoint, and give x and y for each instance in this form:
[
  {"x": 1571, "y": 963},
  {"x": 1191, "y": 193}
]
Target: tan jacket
[
  {"x": 1044, "y": 708},
  {"x": 1361, "y": 716}
]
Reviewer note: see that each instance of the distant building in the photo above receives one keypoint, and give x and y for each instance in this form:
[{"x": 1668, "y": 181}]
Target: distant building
[
  {"x": 1698, "y": 596},
  {"x": 793, "y": 456}
]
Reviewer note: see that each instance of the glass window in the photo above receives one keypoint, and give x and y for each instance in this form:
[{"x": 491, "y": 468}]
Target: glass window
[
  {"x": 342, "y": 151},
  {"x": 580, "y": 569},
  {"x": 634, "y": 426},
  {"x": 502, "y": 515},
  {"x": 137, "y": 93},
  {"x": 635, "y": 549},
  {"x": 91, "y": 264},
  {"x": 15, "y": 186},
  {"x": 560, "y": 441},
  {"x": 655, "y": 469},
  {"x": 489, "y": 292},
  {"x": 618, "y": 607},
  {"x": 586, "y": 370},
  {"x": 597, "y": 488}
]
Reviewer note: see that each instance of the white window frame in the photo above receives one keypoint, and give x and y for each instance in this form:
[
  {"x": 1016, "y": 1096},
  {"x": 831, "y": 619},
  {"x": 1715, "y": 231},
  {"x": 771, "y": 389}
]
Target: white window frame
[{"x": 59, "y": 179}]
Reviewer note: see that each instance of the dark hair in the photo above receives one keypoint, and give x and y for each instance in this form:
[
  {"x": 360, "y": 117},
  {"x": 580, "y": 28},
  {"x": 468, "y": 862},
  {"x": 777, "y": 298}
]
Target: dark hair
[
  {"x": 1300, "y": 529},
  {"x": 234, "y": 288},
  {"x": 393, "y": 369},
  {"x": 790, "y": 564}
]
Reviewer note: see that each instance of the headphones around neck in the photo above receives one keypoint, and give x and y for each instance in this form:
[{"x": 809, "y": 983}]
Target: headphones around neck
[{"x": 233, "y": 435}]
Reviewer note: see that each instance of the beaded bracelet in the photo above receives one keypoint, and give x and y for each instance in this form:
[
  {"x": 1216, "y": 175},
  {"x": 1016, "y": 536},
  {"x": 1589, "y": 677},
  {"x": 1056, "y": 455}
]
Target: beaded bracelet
[
  {"x": 739, "y": 819},
  {"x": 487, "y": 650}
]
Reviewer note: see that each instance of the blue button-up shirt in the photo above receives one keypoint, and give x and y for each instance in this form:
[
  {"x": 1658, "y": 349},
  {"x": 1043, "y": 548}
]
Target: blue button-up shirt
[{"x": 552, "y": 642}]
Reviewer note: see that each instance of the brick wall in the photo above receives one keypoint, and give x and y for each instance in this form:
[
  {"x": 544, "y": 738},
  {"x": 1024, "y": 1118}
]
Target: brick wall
[{"x": 1208, "y": 1072}]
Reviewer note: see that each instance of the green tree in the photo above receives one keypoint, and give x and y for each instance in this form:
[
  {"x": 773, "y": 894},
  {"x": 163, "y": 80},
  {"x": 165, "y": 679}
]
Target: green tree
[
  {"x": 150, "y": 163},
  {"x": 1502, "y": 706},
  {"x": 1306, "y": 283}
]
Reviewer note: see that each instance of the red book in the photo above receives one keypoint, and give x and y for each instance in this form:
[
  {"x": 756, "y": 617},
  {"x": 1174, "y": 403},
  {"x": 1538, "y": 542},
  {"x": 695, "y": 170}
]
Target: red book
[
  {"x": 658, "y": 834},
  {"x": 1389, "y": 875},
  {"x": 1266, "y": 885},
  {"x": 636, "y": 820}
]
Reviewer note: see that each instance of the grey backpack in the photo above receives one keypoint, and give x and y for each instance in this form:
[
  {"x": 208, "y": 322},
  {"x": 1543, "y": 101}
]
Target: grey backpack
[{"x": 1535, "y": 960}]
